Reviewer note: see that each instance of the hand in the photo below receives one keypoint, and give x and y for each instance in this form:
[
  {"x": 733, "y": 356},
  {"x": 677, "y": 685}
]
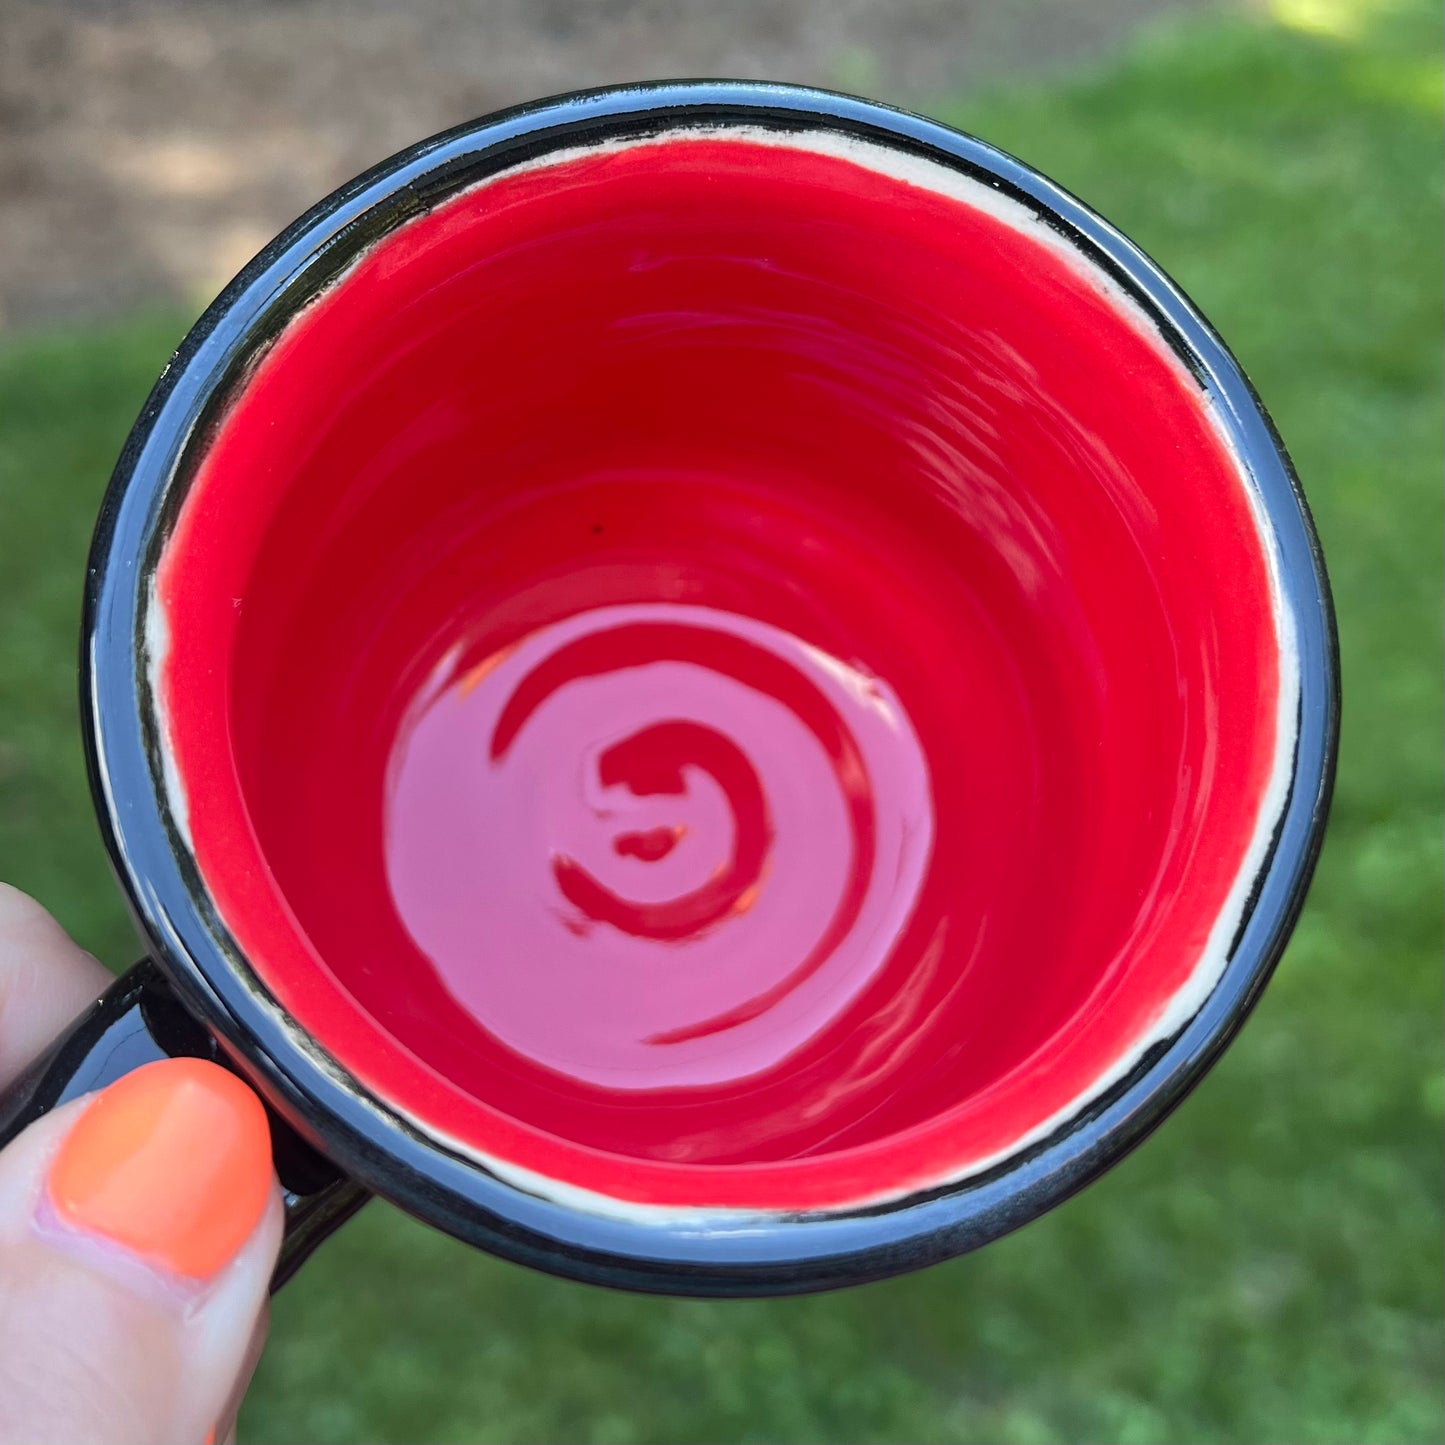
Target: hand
[{"x": 138, "y": 1228}]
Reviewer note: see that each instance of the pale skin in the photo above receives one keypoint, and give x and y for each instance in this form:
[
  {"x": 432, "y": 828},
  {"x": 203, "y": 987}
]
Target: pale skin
[{"x": 96, "y": 1344}]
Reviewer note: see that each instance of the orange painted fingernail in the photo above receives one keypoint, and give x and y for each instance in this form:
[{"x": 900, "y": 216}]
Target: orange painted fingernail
[{"x": 173, "y": 1162}]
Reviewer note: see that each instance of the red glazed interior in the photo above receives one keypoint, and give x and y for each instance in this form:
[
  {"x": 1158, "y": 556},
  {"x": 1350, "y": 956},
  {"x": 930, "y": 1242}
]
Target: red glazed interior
[{"x": 719, "y": 676}]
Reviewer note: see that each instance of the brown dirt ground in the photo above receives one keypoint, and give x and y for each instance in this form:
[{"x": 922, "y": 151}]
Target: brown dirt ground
[{"x": 149, "y": 147}]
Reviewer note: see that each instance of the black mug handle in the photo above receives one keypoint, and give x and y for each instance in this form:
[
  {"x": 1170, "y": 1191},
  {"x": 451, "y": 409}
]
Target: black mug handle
[{"x": 137, "y": 1020}]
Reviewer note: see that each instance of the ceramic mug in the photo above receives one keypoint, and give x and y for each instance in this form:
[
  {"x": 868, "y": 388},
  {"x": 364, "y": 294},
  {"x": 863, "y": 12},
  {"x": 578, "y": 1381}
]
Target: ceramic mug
[{"x": 712, "y": 687}]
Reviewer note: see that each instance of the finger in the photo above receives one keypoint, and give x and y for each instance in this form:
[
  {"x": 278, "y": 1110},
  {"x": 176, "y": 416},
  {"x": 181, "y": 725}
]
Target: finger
[
  {"x": 45, "y": 980},
  {"x": 230, "y": 1412},
  {"x": 138, "y": 1231}
]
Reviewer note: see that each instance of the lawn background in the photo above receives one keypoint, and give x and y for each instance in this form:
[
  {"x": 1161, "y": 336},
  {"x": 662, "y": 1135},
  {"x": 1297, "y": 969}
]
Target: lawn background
[{"x": 1268, "y": 1268}]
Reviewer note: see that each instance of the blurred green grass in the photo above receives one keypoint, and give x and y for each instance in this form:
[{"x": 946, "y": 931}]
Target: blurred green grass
[{"x": 1269, "y": 1266}]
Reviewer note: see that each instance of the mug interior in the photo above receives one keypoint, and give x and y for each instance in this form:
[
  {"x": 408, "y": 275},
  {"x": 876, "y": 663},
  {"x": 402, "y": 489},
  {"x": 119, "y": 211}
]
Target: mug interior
[{"x": 726, "y": 669}]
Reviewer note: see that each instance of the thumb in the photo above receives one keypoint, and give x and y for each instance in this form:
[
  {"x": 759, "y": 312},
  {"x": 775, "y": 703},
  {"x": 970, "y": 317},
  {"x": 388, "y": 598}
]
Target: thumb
[{"x": 138, "y": 1231}]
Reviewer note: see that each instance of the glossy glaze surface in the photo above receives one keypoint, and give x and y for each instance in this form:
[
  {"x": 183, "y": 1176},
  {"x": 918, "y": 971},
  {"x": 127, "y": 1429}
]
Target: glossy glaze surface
[
  {"x": 657, "y": 846},
  {"x": 707, "y": 655}
]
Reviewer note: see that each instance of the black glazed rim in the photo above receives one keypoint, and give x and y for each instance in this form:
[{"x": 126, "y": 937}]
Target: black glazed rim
[{"x": 741, "y": 1255}]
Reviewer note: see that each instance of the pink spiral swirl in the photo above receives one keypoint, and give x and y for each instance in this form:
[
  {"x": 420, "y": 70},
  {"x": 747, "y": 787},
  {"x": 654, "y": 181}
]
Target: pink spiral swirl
[{"x": 657, "y": 845}]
